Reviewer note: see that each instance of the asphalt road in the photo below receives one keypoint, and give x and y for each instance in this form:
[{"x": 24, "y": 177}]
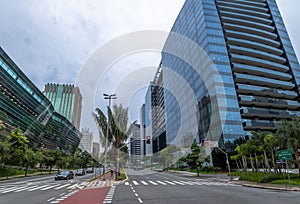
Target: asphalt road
[
  {"x": 166, "y": 188},
  {"x": 40, "y": 189}
]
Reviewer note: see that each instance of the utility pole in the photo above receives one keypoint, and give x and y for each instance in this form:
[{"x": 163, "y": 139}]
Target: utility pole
[{"x": 109, "y": 97}]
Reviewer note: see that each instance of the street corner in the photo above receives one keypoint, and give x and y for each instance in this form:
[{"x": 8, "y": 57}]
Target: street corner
[{"x": 88, "y": 196}]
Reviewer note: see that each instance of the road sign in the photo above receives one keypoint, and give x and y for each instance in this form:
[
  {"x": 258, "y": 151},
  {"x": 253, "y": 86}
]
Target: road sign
[
  {"x": 279, "y": 161},
  {"x": 285, "y": 154}
]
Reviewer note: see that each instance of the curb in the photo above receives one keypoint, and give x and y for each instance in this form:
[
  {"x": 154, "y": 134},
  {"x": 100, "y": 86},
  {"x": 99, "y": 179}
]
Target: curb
[
  {"x": 283, "y": 188},
  {"x": 271, "y": 187},
  {"x": 123, "y": 181}
]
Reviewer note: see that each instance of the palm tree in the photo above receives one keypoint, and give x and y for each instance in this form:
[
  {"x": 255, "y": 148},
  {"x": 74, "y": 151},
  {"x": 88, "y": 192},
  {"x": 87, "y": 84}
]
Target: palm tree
[
  {"x": 291, "y": 130},
  {"x": 260, "y": 137},
  {"x": 118, "y": 122}
]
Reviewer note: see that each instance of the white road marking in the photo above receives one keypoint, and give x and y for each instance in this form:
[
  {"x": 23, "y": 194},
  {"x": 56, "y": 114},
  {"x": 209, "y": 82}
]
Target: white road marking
[
  {"x": 179, "y": 183},
  {"x": 145, "y": 183},
  {"x": 161, "y": 183},
  {"x": 50, "y": 199},
  {"x": 62, "y": 186},
  {"x": 10, "y": 189},
  {"x": 188, "y": 183},
  {"x": 25, "y": 188},
  {"x": 152, "y": 182},
  {"x": 126, "y": 183},
  {"x": 140, "y": 200},
  {"x": 33, "y": 189},
  {"x": 135, "y": 183},
  {"x": 72, "y": 186},
  {"x": 169, "y": 182},
  {"x": 49, "y": 187}
]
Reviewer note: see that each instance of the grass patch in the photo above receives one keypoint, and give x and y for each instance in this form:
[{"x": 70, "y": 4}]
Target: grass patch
[
  {"x": 4, "y": 172},
  {"x": 294, "y": 182},
  {"x": 122, "y": 175},
  {"x": 264, "y": 177}
]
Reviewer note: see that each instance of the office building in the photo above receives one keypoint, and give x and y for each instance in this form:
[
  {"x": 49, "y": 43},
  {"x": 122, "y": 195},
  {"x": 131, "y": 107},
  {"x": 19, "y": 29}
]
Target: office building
[
  {"x": 66, "y": 100},
  {"x": 148, "y": 120},
  {"x": 24, "y": 106},
  {"x": 86, "y": 142},
  {"x": 96, "y": 150},
  {"x": 237, "y": 58},
  {"x": 135, "y": 144}
]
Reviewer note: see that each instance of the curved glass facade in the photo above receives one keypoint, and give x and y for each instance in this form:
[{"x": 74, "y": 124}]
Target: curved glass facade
[
  {"x": 248, "y": 44},
  {"x": 23, "y": 105}
]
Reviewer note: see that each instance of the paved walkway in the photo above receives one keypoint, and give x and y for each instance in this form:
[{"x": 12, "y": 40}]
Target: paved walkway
[
  {"x": 87, "y": 196},
  {"x": 95, "y": 192}
]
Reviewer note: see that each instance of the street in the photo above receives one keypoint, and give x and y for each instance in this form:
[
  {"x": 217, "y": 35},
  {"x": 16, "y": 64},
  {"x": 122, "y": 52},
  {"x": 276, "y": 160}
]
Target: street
[
  {"x": 159, "y": 187},
  {"x": 40, "y": 189},
  {"x": 142, "y": 186}
]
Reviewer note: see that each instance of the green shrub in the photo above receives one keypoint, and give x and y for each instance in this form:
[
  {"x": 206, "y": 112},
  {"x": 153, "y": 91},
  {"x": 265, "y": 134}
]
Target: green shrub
[
  {"x": 13, "y": 172},
  {"x": 261, "y": 177}
]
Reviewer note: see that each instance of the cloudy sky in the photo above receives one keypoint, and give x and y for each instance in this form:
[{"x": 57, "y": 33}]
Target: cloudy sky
[{"x": 52, "y": 40}]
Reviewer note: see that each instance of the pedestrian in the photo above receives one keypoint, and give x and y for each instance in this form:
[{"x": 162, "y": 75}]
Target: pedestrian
[{"x": 111, "y": 173}]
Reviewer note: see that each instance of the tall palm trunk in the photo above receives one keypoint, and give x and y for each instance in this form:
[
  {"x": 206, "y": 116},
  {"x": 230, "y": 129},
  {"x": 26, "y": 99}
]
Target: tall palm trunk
[
  {"x": 266, "y": 161},
  {"x": 256, "y": 160},
  {"x": 244, "y": 163},
  {"x": 273, "y": 161},
  {"x": 251, "y": 162},
  {"x": 237, "y": 164}
]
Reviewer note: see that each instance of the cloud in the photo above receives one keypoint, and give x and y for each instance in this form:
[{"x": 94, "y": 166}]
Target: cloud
[{"x": 51, "y": 40}]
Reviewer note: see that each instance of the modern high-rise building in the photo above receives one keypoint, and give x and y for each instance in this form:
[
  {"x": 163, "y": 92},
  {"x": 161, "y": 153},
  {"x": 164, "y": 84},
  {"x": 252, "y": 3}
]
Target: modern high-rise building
[
  {"x": 66, "y": 100},
  {"x": 143, "y": 130},
  {"x": 148, "y": 120},
  {"x": 135, "y": 144},
  {"x": 96, "y": 150},
  {"x": 238, "y": 60},
  {"x": 86, "y": 142},
  {"x": 24, "y": 106}
]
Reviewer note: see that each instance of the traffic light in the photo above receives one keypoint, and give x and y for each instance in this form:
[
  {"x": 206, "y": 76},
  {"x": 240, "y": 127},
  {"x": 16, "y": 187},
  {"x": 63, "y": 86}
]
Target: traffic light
[{"x": 148, "y": 140}]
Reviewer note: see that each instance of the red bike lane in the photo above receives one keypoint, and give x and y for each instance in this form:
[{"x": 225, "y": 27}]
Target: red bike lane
[{"x": 87, "y": 196}]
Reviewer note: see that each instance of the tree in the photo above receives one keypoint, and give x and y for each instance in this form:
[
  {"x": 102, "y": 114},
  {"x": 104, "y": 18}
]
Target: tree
[
  {"x": 197, "y": 156},
  {"x": 117, "y": 131},
  {"x": 30, "y": 159},
  {"x": 4, "y": 152},
  {"x": 291, "y": 130},
  {"x": 167, "y": 155},
  {"x": 18, "y": 145},
  {"x": 260, "y": 138}
]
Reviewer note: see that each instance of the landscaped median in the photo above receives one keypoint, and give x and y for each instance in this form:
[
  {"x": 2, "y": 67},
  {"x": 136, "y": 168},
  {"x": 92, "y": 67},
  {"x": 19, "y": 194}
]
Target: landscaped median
[
  {"x": 122, "y": 175},
  {"x": 272, "y": 179}
]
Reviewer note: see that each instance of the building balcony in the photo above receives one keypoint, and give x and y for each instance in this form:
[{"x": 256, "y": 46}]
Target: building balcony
[
  {"x": 259, "y": 71},
  {"x": 255, "y": 45},
  {"x": 252, "y": 37}
]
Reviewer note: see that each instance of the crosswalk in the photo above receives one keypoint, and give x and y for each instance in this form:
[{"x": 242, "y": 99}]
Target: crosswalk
[
  {"x": 41, "y": 187},
  {"x": 178, "y": 183},
  {"x": 100, "y": 184}
]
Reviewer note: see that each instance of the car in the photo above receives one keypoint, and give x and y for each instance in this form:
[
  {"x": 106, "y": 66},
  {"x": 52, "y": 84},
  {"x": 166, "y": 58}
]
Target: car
[
  {"x": 80, "y": 172},
  {"x": 64, "y": 175},
  {"x": 89, "y": 170}
]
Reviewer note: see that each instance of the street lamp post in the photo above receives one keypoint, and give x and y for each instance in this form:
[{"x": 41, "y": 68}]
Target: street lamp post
[{"x": 109, "y": 97}]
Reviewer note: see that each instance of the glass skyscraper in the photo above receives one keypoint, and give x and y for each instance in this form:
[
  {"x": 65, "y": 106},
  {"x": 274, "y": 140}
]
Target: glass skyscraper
[
  {"x": 249, "y": 80},
  {"x": 66, "y": 100},
  {"x": 24, "y": 106}
]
